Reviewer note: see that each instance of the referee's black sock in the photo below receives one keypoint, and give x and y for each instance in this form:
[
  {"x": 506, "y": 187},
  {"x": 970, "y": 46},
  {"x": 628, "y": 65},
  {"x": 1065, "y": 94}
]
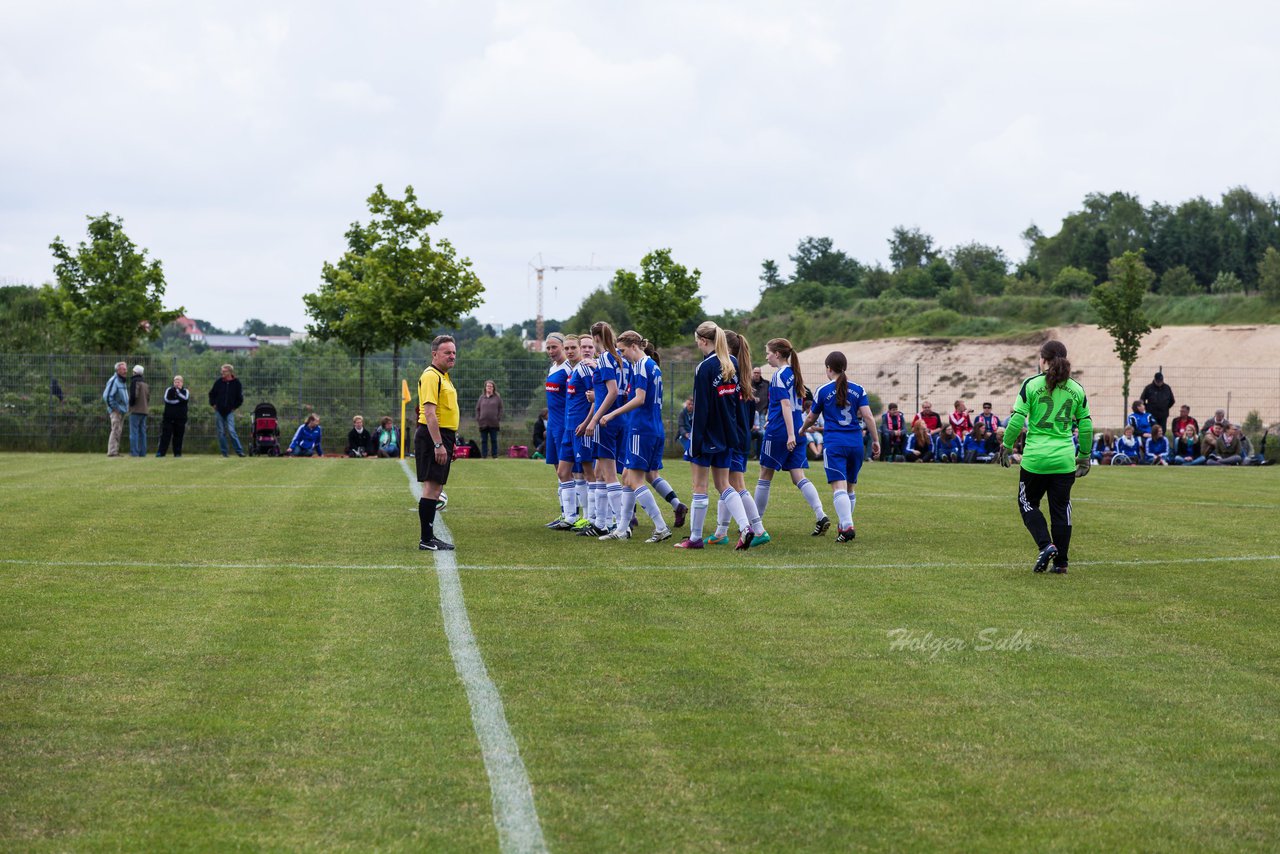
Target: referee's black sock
[{"x": 427, "y": 518}]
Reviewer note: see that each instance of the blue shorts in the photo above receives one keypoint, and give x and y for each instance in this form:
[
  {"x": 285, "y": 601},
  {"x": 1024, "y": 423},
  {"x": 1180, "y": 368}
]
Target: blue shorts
[
  {"x": 643, "y": 453},
  {"x": 565, "y": 451},
  {"x": 584, "y": 449},
  {"x": 553, "y": 446},
  {"x": 607, "y": 438},
  {"x": 842, "y": 462},
  {"x": 738, "y": 462},
  {"x": 720, "y": 460},
  {"x": 774, "y": 455}
]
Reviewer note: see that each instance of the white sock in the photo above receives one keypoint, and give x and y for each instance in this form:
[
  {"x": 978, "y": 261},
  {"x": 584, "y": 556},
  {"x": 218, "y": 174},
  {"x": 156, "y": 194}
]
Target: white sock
[
  {"x": 615, "y": 492},
  {"x": 810, "y": 493},
  {"x": 593, "y": 502},
  {"x": 664, "y": 489},
  {"x": 753, "y": 514},
  {"x": 699, "y": 515},
  {"x": 583, "y": 496},
  {"x": 568, "y": 500},
  {"x": 853, "y": 503},
  {"x": 628, "y": 507},
  {"x": 843, "y": 511},
  {"x": 722, "y": 519},
  {"x": 733, "y": 500},
  {"x": 762, "y": 494},
  {"x": 645, "y": 499}
]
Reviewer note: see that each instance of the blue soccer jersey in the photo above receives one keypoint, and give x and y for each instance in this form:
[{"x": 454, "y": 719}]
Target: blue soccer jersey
[
  {"x": 783, "y": 387},
  {"x": 609, "y": 368},
  {"x": 646, "y": 420},
  {"x": 841, "y": 424},
  {"x": 577, "y": 407}
]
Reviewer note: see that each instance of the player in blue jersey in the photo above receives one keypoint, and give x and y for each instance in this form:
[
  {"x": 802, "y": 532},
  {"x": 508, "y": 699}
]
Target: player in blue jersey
[
  {"x": 644, "y": 438},
  {"x": 660, "y": 486},
  {"x": 574, "y": 448},
  {"x": 716, "y": 434},
  {"x": 740, "y": 349},
  {"x": 780, "y": 451},
  {"x": 845, "y": 410},
  {"x": 610, "y": 395},
  {"x": 557, "y": 376}
]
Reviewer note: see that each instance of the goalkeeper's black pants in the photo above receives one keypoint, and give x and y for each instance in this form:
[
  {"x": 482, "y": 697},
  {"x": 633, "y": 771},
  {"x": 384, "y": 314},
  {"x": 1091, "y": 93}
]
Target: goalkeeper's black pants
[{"x": 1033, "y": 487}]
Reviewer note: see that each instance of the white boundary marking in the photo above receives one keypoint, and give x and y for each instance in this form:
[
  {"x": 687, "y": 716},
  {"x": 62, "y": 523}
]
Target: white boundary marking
[{"x": 514, "y": 813}]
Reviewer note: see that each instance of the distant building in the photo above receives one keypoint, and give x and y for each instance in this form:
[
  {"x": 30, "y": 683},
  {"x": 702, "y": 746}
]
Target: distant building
[
  {"x": 190, "y": 328},
  {"x": 232, "y": 343}
]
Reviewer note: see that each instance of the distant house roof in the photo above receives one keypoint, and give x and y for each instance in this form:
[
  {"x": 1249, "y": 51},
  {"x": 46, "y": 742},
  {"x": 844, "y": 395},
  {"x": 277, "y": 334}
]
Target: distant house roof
[
  {"x": 190, "y": 328},
  {"x": 232, "y": 343}
]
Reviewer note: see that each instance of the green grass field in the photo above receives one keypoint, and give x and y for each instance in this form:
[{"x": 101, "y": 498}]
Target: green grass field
[{"x": 209, "y": 654}]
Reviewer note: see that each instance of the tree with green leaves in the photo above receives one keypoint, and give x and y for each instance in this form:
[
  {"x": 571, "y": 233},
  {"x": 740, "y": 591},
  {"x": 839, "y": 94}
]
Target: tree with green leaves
[
  {"x": 1118, "y": 304},
  {"x": 910, "y": 248},
  {"x": 108, "y": 296},
  {"x": 769, "y": 274},
  {"x": 1269, "y": 275},
  {"x": 661, "y": 298},
  {"x": 1072, "y": 282},
  {"x": 24, "y": 322},
  {"x": 600, "y": 304},
  {"x": 1178, "y": 281}
]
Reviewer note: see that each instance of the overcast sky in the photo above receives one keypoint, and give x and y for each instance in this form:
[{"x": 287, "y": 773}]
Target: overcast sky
[{"x": 238, "y": 140}]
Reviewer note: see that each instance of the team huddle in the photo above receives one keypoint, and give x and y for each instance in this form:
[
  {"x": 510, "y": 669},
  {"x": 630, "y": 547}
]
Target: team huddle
[{"x": 605, "y": 436}]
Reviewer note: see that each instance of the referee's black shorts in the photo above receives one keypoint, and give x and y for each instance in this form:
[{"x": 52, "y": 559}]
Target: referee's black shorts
[{"x": 424, "y": 452}]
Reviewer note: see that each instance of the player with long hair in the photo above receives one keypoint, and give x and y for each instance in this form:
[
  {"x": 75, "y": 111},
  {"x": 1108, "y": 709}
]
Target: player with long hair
[
  {"x": 845, "y": 410},
  {"x": 653, "y": 476},
  {"x": 1052, "y": 405},
  {"x": 740, "y": 349},
  {"x": 645, "y": 436},
  {"x": 557, "y": 377},
  {"x": 780, "y": 451},
  {"x": 578, "y": 450},
  {"x": 610, "y": 395},
  {"x": 559, "y": 432},
  {"x": 717, "y": 431}
]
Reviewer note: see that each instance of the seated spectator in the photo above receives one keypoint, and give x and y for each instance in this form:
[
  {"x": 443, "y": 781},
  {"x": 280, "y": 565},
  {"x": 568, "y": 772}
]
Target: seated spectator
[
  {"x": 1186, "y": 448},
  {"x": 387, "y": 439},
  {"x": 931, "y": 419},
  {"x": 1104, "y": 447},
  {"x": 358, "y": 438},
  {"x": 1180, "y": 423},
  {"x": 1228, "y": 451},
  {"x": 1218, "y": 420},
  {"x": 1141, "y": 421},
  {"x": 960, "y": 421},
  {"x": 948, "y": 448},
  {"x": 1260, "y": 458},
  {"x": 757, "y": 434},
  {"x": 813, "y": 440},
  {"x": 979, "y": 445},
  {"x": 306, "y": 442},
  {"x": 893, "y": 433},
  {"x": 540, "y": 436},
  {"x": 1128, "y": 448},
  {"x": 989, "y": 420},
  {"x": 1157, "y": 450},
  {"x": 919, "y": 446}
]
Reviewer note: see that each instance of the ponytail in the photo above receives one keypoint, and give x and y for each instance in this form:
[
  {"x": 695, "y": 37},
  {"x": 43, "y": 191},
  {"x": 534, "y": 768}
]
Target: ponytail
[
  {"x": 783, "y": 348},
  {"x": 838, "y": 364},
  {"x": 1058, "y": 369},
  {"x": 740, "y": 349},
  {"x": 709, "y": 331},
  {"x": 604, "y": 333}
]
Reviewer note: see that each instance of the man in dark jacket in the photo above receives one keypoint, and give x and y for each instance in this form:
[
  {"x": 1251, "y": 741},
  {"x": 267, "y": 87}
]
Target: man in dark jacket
[
  {"x": 174, "y": 425},
  {"x": 1159, "y": 400},
  {"x": 759, "y": 390},
  {"x": 226, "y": 397}
]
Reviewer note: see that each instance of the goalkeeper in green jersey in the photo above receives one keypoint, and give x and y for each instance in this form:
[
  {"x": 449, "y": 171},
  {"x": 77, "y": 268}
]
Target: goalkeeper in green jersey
[{"x": 1050, "y": 405}]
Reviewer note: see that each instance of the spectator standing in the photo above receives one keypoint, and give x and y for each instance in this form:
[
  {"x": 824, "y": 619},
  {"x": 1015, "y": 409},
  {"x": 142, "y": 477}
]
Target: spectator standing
[
  {"x": 139, "y": 408},
  {"x": 226, "y": 396},
  {"x": 358, "y": 438},
  {"x": 540, "y": 434},
  {"x": 1158, "y": 398},
  {"x": 685, "y": 427},
  {"x": 1183, "y": 420},
  {"x": 116, "y": 396},
  {"x": 932, "y": 420},
  {"x": 893, "y": 433},
  {"x": 489, "y": 418},
  {"x": 388, "y": 438},
  {"x": 307, "y": 440},
  {"x": 173, "y": 424},
  {"x": 759, "y": 391},
  {"x": 960, "y": 420}
]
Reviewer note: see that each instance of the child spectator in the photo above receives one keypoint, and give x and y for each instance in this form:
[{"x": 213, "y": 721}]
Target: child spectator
[
  {"x": 948, "y": 449},
  {"x": 893, "y": 433},
  {"x": 960, "y": 421},
  {"x": 358, "y": 438},
  {"x": 1104, "y": 447},
  {"x": 989, "y": 420},
  {"x": 1186, "y": 449},
  {"x": 931, "y": 419},
  {"x": 919, "y": 447},
  {"x": 387, "y": 438},
  {"x": 1141, "y": 421},
  {"x": 1180, "y": 423},
  {"x": 306, "y": 442},
  {"x": 1157, "y": 448},
  {"x": 1128, "y": 448}
]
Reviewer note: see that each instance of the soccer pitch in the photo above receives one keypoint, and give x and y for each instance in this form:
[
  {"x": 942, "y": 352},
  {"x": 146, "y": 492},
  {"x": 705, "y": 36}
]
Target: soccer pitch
[{"x": 252, "y": 654}]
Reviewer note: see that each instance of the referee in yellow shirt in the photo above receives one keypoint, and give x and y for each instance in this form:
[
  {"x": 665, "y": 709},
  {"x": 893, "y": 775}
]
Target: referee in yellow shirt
[{"x": 434, "y": 438}]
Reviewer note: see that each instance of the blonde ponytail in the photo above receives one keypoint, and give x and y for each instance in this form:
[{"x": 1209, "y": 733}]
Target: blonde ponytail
[{"x": 709, "y": 331}]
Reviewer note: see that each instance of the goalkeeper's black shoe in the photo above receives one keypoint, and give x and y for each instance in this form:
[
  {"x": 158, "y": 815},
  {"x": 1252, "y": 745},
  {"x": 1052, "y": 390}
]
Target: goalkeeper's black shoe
[
  {"x": 1059, "y": 568},
  {"x": 1046, "y": 555}
]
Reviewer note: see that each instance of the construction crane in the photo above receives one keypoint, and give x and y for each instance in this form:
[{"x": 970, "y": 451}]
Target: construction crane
[{"x": 540, "y": 268}]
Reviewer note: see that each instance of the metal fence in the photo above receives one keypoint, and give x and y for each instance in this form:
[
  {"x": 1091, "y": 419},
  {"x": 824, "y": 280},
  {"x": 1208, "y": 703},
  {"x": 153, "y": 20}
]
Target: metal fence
[{"x": 54, "y": 402}]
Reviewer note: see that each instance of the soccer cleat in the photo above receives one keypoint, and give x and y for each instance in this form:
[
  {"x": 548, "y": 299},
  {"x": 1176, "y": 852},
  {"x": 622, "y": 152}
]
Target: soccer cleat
[
  {"x": 744, "y": 542},
  {"x": 619, "y": 533},
  {"x": 589, "y": 530},
  {"x": 1059, "y": 569},
  {"x": 1042, "y": 560},
  {"x": 821, "y": 526},
  {"x": 435, "y": 544},
  {"x": 659, "y": 536},
  {"x": 561, "y": 525},
  {"x": 846, "y": 535},
  {"x": 581, "y": 523},
  {"x": 718, "y": 541},
  {"x": 555, "y": 521},
  {"x": 682, "y": 512},
  {"x": 761, "y": 540},
  {"x": 688, "y": 544}
]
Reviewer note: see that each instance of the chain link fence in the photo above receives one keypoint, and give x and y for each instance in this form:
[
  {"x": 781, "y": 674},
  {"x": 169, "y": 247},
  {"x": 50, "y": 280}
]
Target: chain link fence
[{"x": 54, "y": 402}]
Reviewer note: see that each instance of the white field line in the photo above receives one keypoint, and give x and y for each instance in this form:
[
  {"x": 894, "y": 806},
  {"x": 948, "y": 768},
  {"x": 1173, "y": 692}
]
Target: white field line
[
  {"x": 514, "y": 813},
  {"x": 486, "y": 567}
]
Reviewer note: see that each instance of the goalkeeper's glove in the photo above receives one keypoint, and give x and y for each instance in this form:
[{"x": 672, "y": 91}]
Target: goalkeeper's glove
[
  {"x": 1004, "y": 457},
  {"x": 1082, "y": 466}
]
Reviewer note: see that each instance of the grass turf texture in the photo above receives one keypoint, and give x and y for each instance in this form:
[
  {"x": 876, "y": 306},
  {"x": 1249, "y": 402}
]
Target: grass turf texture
[{"x": 260, "y": 663}]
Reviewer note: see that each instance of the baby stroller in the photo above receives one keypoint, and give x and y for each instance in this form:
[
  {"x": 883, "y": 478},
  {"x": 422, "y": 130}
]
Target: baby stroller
[{"x": 266, "y": 431}]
